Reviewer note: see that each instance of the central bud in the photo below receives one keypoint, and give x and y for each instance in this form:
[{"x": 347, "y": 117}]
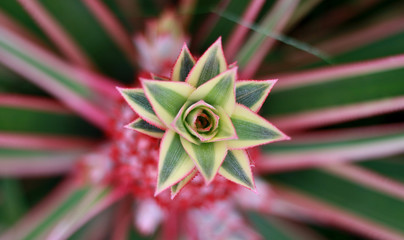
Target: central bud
[{"x": 201, "y": 120}]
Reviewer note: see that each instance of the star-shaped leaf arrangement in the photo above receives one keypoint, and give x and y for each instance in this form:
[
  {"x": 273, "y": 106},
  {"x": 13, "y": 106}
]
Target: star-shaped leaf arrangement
[{"x": 205, "y": 117}]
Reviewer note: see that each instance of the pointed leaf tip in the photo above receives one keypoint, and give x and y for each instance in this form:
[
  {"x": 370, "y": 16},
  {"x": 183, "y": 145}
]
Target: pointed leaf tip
[
  {"x": 236, "y": 168},
  {"x": 184, "y": 64},
  {"x": 209, "y": 65},
  {"x": 138, "y": 101}
]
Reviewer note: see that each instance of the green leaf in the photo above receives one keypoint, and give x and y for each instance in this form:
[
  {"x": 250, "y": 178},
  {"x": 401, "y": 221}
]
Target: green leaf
[
  {"x": 252, "y": 130},
  {"x": 144, "y": 127},
  {"x": 218, "y": 91},
  {"x": 207, "y": 157},
  {"x": 167, "y": 98},
  {"x": 183, "y": 65},
  {"x": 226, "y": 130},
  {"x": 174, "y": 162},
  {"x": 252, "y": 94},
  {"x": 175, "y": 189},
  {"x": 179, "y": 126},
  {"x": 236, "y": 167},
  {"x": 208, "y": 66},
  {"x": 91, "y": 36},
  {"x": 136, "y": 98},
  {"x": 347, "y": 196}
]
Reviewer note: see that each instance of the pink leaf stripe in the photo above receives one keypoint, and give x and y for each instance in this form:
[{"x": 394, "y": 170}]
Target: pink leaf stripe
[
  {"x": 368, "y": 179},
  {"x": 252, "y": 66},
  {"x": 7, "y": 22},
  {"x": 351, "y": 40},
  {"x": 236, "y": 38},
  {"x": 304, "y": 78},
  {"x": 34, "y": 103},
  {"x": 320, "y": 157},
  {"x": 61, "y": 38},
  {"x": 82, "y": 106},
  {"x": 113, "y": 27},
  {"x": 313, "y": 209},
  {"x": 37, "y": 142},
  {"x": 81, "y": 215},
  {"x": 40, "y": 211},
  {"x": 318, "y": 118},
  {"x": 48, "y": 165}
]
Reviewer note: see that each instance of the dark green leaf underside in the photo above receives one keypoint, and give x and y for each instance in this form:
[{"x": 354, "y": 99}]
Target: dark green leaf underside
[
  {"x": 186, "y": 66},
  {"x": 140, "y": 98}
]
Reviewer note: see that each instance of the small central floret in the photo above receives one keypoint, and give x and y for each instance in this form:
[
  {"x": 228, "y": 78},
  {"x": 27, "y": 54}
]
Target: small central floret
[{"x": 206, "y": 120}]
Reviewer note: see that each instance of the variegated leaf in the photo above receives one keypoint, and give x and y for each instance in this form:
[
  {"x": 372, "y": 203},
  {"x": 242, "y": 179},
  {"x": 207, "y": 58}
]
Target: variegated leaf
[
  {"x": 144, "y": 127},
  {"x": 136, "y": 98},
  {"x": 218, "y": 91},
  {"x": 174, "y": 162},
  {"x": 211, "y": 64},
  {"x": 207, "y": 157},
  {"x": 252, "y": 94},
  {"x": 175, "y": 189},
  {"x": 236, "y": 167},
  {"x": 183, "y": 66},
  {"x": 167, "y": 97},
  {"x": 252, "y": 130}
]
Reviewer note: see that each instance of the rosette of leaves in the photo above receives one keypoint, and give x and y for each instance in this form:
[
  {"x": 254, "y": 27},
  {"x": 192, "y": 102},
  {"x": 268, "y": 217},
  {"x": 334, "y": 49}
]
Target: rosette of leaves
[{"x": 206, "y": 119}]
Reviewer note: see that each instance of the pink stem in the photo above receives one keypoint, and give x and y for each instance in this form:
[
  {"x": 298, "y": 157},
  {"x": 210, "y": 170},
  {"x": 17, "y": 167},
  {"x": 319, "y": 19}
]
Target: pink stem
[
  {"x": 61, "y": 38},
  {"x": 368, "y": 179},
  {"x": 113, "y": 27},
  {"x": 34, "y": 103},
  {"x": 236, "y": 38},
  {"x": 37, "y": 142},
  {"x": 305, "y": 207},
  {"x": 323, "y": 117}
]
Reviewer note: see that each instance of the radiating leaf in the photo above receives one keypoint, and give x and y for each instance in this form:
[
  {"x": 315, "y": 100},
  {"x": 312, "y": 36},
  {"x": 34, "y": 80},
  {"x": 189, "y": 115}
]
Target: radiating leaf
[
  {"x": 175, "y": 189},
  {"x": 208, "y": 66},
  {"x": 144, "y": 127},
  {"x": 252, "y": 94},
  {"x": 218, "y": 91},
  {"x": 137, "y": 99},
  {"x": 183, "y": 65},
  {"x": 236, "y": 167},
  {"x": 207, "y": 157},
  {"x": 167, "y": 98},
  {"x": 252, "y": 130},
  {"x": 226, "y": 130},
  {"x": 174, "y": 162}
]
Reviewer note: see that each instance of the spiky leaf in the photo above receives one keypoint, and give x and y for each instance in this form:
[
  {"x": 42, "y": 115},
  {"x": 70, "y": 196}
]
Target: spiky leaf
[
  {"x": 211, "y": 64},
  {"x": 236, "y": 167},
  {"x": 183, "y": 66},
  {"x": 252, "y": 94},
  {"x": 174, "y": 162},
  {"x": 252, "y": 130},
  {"x": 144, "y": 127}
]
